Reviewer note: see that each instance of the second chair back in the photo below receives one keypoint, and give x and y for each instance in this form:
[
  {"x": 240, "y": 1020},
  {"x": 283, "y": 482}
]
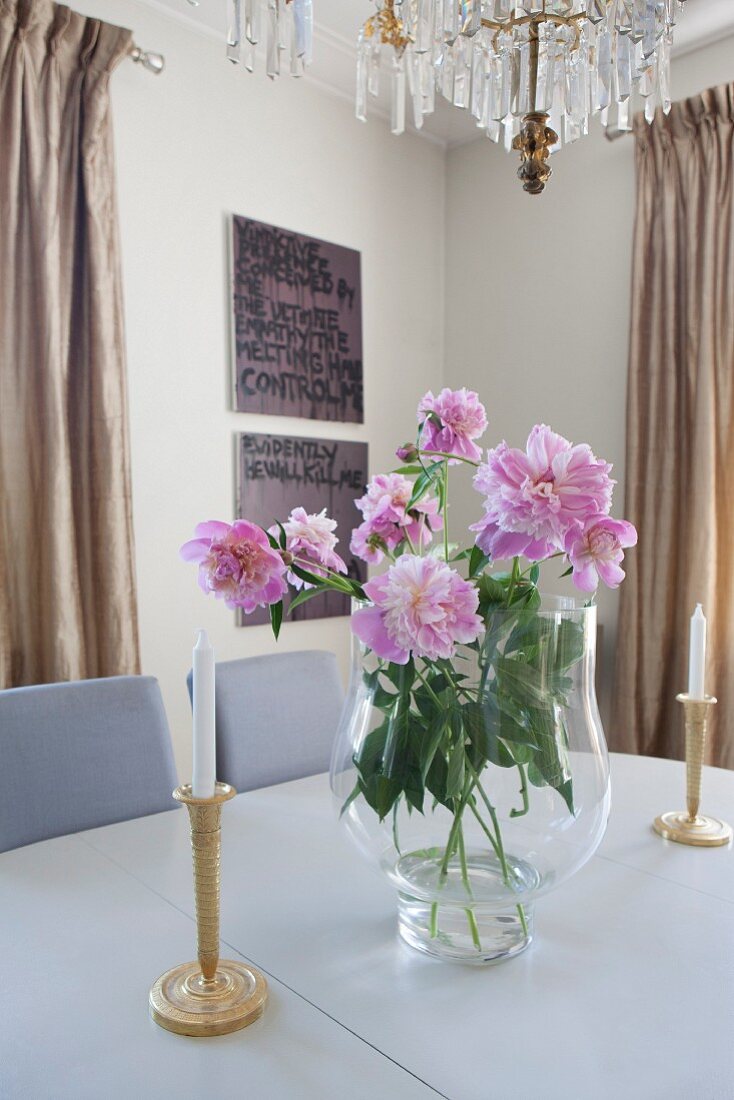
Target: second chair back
[{"x": 276, "y": 717}]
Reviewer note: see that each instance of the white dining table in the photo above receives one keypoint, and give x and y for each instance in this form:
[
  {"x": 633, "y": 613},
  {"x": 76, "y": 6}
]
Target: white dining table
[{"x": 627, "y": 992}]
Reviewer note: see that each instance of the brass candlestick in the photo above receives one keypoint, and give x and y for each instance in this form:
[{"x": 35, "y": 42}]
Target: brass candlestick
[
  {"x": 691, "y": 827},
  {"x": 212, "y": 996}
]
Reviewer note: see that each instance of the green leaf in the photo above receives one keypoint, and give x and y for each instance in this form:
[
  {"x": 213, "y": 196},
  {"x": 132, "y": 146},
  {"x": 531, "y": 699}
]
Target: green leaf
[
  {"x": 550, "y": 766},
  {"x": 424, "y": 703},
  {"x": 569, "y": 644},
  {"x": 531, "y": 635},
  {"x": 478, "y": 561},
  {"x": 371, "y": 678},
  {"x": 423, "y": 484},
  {"x": 355, "y": 794},
  {"x": 534, "y": 574},
  {"x": 457, "y": 770},
  {"x": 414, "y": 796},
  {"x": 368, "y": 759},
  {"x": 303, "y": 596},
  {"x": 276, "y": 617},
  {"x": 429, "y": 743},
  {"x": 385, "y": 700},
  {"x": 339, "y": 584},
  {"x": 408, "y": 471},
  {"x": 283, "y": 536},
  {"x": 401, "y": 675},
  {"x": 381, "y": 793},
  {"x": 273, "y": 541},
  {"x": 436, "y": 780},
  {"x": 522, "y": 681},
  {"x": 492, "y": 594},
  {"x": 567, "y": 572}
]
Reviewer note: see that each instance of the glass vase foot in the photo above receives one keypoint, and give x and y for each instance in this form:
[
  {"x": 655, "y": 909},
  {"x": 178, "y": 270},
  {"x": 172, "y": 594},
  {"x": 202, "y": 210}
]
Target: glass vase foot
[{"x": 465, "y": 934}]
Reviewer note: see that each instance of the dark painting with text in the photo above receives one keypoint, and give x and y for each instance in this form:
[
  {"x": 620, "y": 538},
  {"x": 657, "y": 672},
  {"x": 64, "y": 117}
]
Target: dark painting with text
[
  {"x": 277, "y": 473},
  {"x": 297, "y": 324}
]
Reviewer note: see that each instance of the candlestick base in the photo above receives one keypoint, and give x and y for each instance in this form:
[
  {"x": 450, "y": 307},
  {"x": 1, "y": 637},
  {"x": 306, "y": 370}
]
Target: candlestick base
[
  {"x": 182, "y": 1001},
  {"x": 700, "y": 831}
]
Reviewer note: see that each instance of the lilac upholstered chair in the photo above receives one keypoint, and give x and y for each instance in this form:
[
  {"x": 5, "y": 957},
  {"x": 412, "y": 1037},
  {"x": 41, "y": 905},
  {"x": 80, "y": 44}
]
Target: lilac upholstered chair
[
  {"x": 276, "y": 717},
  {"x": 77, "y": 755}
]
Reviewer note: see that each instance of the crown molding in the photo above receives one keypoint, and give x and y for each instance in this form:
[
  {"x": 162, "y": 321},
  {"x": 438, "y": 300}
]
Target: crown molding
[
  {"x": 336, "y": 55},
  {"x": 336, "y": 52}
]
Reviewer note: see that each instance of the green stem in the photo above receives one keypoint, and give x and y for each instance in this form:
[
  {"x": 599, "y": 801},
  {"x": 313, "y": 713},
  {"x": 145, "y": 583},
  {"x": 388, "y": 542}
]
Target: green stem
[
  {"x": 499, "y": 849},
  {"x": 451, "y": 842},
  {"x": 462, "y": 861},
  {"x": 342, "y": 580},
  {"x": 445, "y": 454},
  {"x": 428, "y": 687},
  {"x": 523, "y": 793},
  {"x": 446, "y": 510},
  {"x": 515, "y": 577},
  {"x": 433, "y": 926},
  {"x": 485, "y": 829},
  {"x": 473, "y": 928},
  {"x": 493, "y": 815}
]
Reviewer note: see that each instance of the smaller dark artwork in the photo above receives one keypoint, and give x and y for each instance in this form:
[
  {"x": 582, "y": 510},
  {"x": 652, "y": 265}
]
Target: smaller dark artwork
[
  {"x": 277, "y": 473},
  {"x": 297, "y": 324}
]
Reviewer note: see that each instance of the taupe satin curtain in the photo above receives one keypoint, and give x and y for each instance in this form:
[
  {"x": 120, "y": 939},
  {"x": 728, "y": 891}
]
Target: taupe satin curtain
[
  {"x": 680, "y": 427},
  {"x": 67, "y": 585}
]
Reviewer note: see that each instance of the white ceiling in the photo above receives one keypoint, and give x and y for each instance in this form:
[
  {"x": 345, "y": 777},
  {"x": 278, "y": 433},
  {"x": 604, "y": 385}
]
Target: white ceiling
[{"x": 337, "y": 23}]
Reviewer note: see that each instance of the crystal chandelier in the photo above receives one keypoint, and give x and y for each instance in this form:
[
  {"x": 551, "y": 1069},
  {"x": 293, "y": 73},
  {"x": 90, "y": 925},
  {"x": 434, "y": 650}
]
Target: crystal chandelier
[{"x": 531, "y": 73}]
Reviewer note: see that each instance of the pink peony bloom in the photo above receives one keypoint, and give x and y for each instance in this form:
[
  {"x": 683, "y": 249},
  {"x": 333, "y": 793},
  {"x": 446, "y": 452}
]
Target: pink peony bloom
[
  {"x": 421, "y": 606},
  {"x": 596, "y": 550},
  {"x": 386, "y": 519},
  {"x": 463, "y": 419},
  {"x": 534, "y": 497},
  {"x": 311, "y": 539},
  {"x": 237, "y": 564}
]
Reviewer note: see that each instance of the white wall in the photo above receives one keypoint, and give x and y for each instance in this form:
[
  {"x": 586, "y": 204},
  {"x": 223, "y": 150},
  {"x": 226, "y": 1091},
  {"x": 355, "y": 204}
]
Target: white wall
[
  {"x": 537, "y": 293},
  {"x": 536, "y": 301},
  {"x": 202, "y": 141}
]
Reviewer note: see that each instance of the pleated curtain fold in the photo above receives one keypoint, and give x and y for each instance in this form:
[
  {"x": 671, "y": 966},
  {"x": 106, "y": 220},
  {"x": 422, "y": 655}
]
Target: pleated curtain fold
[
  {"x": 67, "y": 581},
  {"x": 680, "y": 427}
]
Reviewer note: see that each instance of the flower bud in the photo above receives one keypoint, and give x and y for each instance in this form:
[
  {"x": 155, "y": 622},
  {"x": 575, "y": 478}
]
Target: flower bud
[{"x": 407, "y": 453}]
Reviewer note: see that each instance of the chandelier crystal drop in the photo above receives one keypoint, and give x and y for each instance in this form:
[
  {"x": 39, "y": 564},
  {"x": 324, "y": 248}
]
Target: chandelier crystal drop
[
  {"x": 286, "y": 27},
  {"x": 531, "y": 73}
]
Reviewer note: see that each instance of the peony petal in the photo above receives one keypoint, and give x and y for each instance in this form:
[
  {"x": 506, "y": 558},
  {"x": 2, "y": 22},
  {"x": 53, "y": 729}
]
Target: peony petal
[
  {"x": 508, "y": 544},
  {"x": 610, "y": 573},
  {"x": 585, "y": 578},
  {"x": 242, "y": 529},
  {"x": 369, "y": 627},
  {"x": 194, "y": 550},
  {"x": 212, "y": 529},
  {"x": 376, "y": 587}
]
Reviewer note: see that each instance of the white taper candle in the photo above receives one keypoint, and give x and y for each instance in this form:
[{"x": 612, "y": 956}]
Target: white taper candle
[
  {"x": 697, "y": 655},
  {"x": 204, "y": 770}
]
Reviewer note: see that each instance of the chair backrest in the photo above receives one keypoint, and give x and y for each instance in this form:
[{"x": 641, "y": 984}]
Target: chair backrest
[
  {"x": 77, "y": 755},
  {"x": 276, "y": 717}
]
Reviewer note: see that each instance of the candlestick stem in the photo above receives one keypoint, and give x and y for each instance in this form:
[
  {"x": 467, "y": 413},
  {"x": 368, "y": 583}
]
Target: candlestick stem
[
  {"x": 696, "y": 724},
  {"x": 211, "y": 996},
  {"x": 693, "y": 827},
  {"x": 206, "y": 843}
]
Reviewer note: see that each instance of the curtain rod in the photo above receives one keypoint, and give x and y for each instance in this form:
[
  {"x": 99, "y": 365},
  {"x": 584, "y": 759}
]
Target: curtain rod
[{"x": 153, "y": 62}]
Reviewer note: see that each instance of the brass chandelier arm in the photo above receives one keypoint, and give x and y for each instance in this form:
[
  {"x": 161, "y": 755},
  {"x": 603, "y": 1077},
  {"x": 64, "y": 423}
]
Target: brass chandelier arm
[
  {"x": 391, "y": 28},
  {"x": 535, "y": 21}
]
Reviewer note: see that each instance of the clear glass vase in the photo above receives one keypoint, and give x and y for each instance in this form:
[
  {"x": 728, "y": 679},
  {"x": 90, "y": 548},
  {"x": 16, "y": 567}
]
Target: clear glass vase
[{"x": 512, "y": 728}]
